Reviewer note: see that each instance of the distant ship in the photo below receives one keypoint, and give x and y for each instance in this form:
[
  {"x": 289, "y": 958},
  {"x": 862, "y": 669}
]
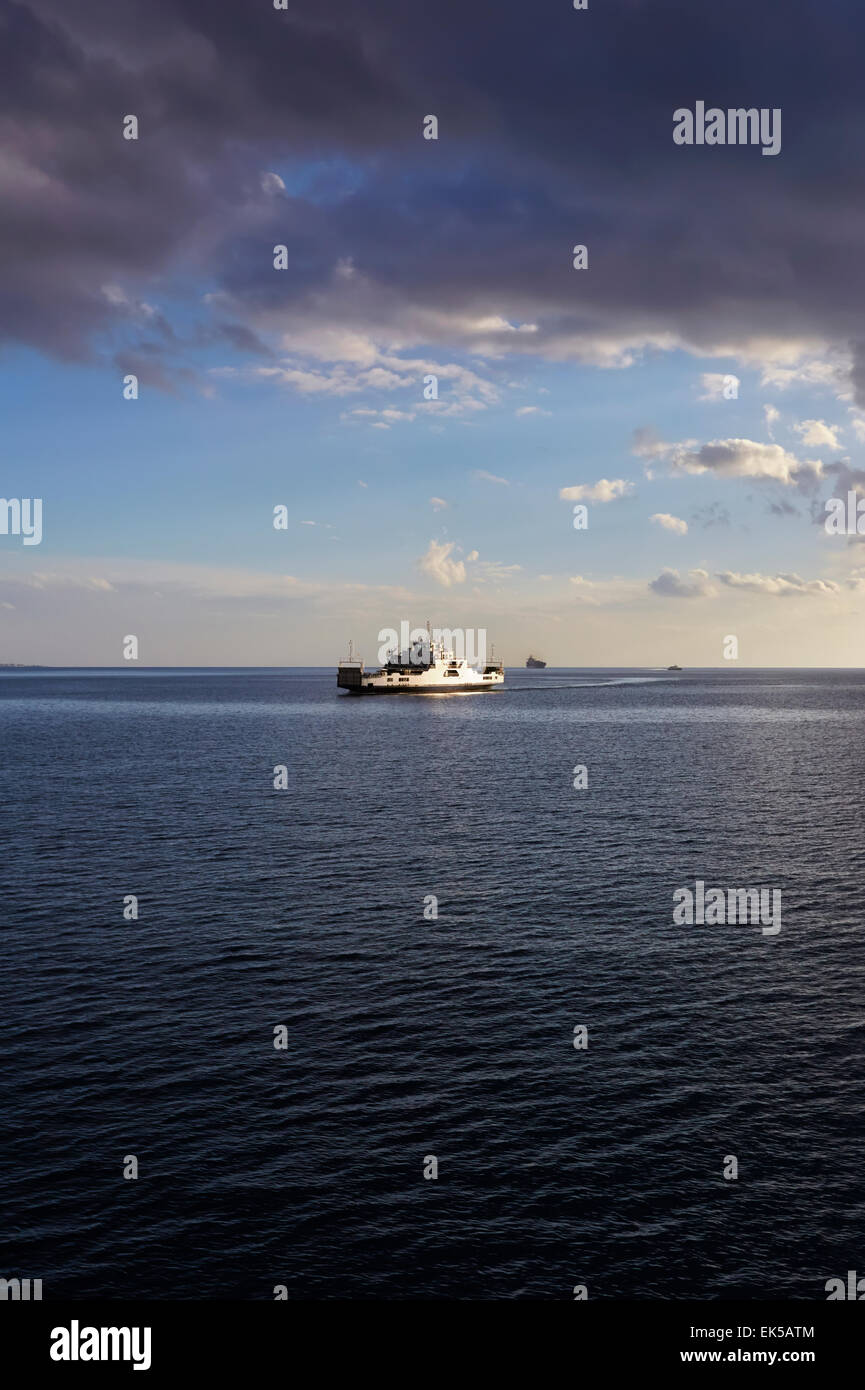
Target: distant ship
[
  {"x": 534, "y": 665},
  {"x": 674, "y": 668},
  {"x": 427, "y": 668}
]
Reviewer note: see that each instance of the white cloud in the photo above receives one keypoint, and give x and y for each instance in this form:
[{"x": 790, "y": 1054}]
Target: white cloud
[
  {"x": 531, "y": 410},
  {"x": 586, "y": 590},
  {"x": 484, "y": 477},
  {"x": 604, "y": 490},
  {"x": 670, "y": 523},
  {"x": 438, "y": 504},
  {"x": 713, "y": 384},
  {"x": 817, "y": 433},
  {"x": 44, "y": 579},
  {"x": 380, "y": 418},
  {"x": 392, "y": 319},
  {"x": 353, "y": 362},
  {"x": 600, "y": 593},
  {"x": 771, "y": 416},
  {"x": 809, "y": 372},
  {"x": 310, "y": 382},
  {"x": 647, "y": 443},
  {"x": 670, "y": 584},
  {"x": 857, "y": 424},
  {"x": 492, "y": 571},
  {"x": 780, "y": 585},
  {"x": 745, "y": 458},
  {"x": 440, "y": 567}
]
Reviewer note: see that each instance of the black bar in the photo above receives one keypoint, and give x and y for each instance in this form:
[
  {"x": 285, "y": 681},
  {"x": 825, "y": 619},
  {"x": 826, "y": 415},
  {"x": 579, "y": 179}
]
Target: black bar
[{"x": 268, "y": 1338}]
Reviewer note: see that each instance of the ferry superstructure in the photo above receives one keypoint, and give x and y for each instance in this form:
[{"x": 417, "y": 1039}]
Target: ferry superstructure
[{"x": 427, "y": 668}]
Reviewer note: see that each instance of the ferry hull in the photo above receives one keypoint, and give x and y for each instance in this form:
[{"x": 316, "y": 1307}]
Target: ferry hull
[{"x": 464, "y": 688}]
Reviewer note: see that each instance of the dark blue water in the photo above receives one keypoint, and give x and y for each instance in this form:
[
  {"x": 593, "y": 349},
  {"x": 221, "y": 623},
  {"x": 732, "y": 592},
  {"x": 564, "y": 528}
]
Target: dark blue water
[{"x": 410, "y": 1037}]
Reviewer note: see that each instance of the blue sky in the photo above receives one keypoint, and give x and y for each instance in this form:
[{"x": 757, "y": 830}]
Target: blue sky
[{"x": 304, "y": 387}]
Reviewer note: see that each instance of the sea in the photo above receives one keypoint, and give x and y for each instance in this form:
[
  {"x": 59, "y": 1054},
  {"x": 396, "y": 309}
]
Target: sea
[{"x": 327, "y": 998}]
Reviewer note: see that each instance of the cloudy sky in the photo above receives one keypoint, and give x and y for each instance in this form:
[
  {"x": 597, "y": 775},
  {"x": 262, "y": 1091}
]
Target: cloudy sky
[{"x": 699, "y": 387}]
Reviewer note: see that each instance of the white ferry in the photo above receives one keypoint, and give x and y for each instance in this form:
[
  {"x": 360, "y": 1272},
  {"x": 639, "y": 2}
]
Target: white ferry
[{"x": 427, "y": 668}]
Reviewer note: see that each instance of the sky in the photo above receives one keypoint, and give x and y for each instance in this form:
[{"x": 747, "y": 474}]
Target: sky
[{"x": 698, "y": 386}]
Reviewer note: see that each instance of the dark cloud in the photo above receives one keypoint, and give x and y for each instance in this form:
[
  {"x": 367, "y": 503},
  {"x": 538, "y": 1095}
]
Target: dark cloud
[
  {"x": 150, "y": 371},
  {"x": 242, "y": 339},
  {"x": 714, "y": 514},
  {"x": 779, "y": 506},
  {"x": 555, "y": 128},
  {"x": 843, "y": 478},
  {"x": 846, "y": 477}
]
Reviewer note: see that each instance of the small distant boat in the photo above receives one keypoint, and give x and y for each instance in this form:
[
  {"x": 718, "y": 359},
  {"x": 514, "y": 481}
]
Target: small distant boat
[
  {"x": 674, "y": 668},
  {"x": 534, "y": 665}
]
